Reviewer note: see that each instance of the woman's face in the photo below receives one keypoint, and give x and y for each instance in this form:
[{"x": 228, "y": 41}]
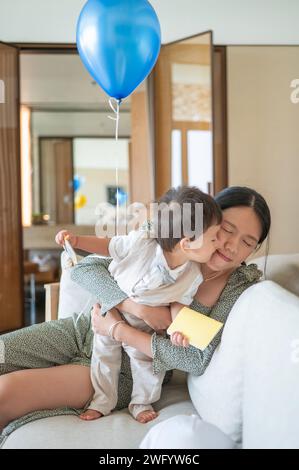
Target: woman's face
[{"x": 238, "y": 237}]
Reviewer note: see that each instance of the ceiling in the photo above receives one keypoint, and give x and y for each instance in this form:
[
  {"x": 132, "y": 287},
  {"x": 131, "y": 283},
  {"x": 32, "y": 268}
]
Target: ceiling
[
  {"x": 232, "y": 21},
  {"x": 60, "y": 81}
]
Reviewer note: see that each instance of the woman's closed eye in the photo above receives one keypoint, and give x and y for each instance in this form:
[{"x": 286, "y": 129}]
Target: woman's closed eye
[
  {"x": 250, "y": 245},
  {"x": 226, "y": 230}
]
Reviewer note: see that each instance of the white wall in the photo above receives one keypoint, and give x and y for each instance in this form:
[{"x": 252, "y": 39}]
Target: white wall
[
  {"x": 233, "y": 21},
  {"x": 57, "y": 124},
  {"x": 101, "y": 154},
  {"x": 263, "y": 138}
]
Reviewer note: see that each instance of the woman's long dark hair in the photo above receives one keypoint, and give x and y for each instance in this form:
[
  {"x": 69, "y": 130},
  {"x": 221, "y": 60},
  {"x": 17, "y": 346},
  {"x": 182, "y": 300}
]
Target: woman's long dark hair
[{"x": 236, "y": 196}]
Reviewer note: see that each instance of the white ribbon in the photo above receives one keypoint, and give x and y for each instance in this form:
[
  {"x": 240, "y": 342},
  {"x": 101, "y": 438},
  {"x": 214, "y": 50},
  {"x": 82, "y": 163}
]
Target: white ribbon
[{"x": 115, "y": 118}]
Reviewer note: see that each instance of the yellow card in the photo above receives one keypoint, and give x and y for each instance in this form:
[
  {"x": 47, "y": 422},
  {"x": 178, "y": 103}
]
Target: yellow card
[{"x": 198, "y": 328}]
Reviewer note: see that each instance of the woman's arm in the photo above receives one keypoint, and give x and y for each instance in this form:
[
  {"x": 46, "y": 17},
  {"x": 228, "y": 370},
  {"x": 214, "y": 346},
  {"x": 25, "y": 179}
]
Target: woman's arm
[
  {"x": 92, "y": 274},
  {"x": 142, "y": 341},
  {"x": 167, "y": 356},
  {"x": 158, "y": 318},
  {"x": 175, "y": 308},
  {"x": 135, "y": 338}
]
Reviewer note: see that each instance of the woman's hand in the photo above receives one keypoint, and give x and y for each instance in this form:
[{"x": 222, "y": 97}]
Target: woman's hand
[
  {"x": 178, "y": 339},
  {"x": 158, "y": 318},
  {"x": 100, "y": 324}
]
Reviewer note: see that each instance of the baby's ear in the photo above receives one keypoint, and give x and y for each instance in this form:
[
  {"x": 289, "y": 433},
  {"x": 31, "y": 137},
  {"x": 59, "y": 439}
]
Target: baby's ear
[{"x": 185, "y": 244}]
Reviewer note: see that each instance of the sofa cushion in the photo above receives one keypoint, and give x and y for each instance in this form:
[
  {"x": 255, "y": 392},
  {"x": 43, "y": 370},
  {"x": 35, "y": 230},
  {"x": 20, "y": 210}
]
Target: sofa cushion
[
  {"x": 194, "y": 433},
  {"x": 271, "y": 371},
  {"x": 250, "y": 389},
  {"x": 116, "y": 431},
  {"x": 217, "y": 394}
]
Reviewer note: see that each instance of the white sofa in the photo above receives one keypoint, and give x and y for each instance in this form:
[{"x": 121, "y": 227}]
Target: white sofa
[{"x": 249, "y": 392}]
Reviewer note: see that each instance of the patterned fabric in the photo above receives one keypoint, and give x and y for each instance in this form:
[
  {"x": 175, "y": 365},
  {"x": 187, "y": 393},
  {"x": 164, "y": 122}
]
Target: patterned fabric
[
  {"x": 191, "y": 359},
  {"x": 69, "y": 341},
  {"x": 92, "y": 274}
]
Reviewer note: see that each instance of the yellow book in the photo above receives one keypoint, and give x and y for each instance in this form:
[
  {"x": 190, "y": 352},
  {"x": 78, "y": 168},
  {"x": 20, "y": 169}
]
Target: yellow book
[{"x": 198, "y": 328}]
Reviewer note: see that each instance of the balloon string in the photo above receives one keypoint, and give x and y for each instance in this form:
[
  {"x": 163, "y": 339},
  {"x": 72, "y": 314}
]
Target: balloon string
[
  {"x": 116, "y": 112},
  {"x": 116, "y": 119}
]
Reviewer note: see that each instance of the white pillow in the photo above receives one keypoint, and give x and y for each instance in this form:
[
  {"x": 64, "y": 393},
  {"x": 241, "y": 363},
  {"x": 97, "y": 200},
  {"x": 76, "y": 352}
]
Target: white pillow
[
  {"x": 271, "y": 371},
  {"x": 72, "y": 297},
  {"x": 186, "y": 432},
  {"x": 250, "y": 389},
  {"x": 217, "y": 394}
]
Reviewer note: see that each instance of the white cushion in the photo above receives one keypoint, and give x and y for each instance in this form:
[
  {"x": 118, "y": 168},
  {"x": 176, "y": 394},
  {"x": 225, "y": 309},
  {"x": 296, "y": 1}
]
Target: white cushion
[
  {"x": 217, "y": 394},
  {"x": 282, "y": 269},
  {"x": 186, "y": 432},
  {"x": 72, "y": 297},
  {"x": 117, "y": 431},
  {"x": 271, "y": 370},
  {"x": 252, "y": 382}
]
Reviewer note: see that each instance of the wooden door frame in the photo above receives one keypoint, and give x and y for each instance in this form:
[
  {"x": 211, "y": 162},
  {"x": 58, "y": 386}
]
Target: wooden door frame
[
  {"x": 220, "y": 134},
  {"x": 219, "y": 123},
  {"x": 19, "y": 186}
]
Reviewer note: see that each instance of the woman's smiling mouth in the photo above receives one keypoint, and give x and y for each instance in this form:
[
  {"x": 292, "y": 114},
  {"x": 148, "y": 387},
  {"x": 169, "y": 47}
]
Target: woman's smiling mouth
[{"x": 222, "y": 256}]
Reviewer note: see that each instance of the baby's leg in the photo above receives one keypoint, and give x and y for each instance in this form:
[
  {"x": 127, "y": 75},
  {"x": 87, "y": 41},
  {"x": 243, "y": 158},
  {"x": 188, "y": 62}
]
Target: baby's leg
[
  {"x": 146, "y": 386},
  {"x": 105, "y": 369},
  {"x": 90, "y": 415}
]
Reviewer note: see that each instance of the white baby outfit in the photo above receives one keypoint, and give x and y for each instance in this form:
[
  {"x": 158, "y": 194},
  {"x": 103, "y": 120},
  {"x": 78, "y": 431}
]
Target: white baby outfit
[{"x": 141, "y": 271}]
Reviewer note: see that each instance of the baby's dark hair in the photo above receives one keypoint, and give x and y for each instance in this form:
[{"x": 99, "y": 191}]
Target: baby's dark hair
[{"x": 191, "y": 196}]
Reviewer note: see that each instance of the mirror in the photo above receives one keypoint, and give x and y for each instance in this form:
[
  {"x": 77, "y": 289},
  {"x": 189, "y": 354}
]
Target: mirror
[{"x": 69, "y": 151}]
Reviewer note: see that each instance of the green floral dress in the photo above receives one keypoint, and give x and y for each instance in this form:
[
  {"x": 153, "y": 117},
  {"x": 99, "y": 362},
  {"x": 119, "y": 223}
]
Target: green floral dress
[{"x": 69, "y": 341}]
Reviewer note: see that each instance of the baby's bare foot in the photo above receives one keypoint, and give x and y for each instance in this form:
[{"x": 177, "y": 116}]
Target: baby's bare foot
[
  {"x": 90, "y": 415},
  {"x": 146, "y": 416}
]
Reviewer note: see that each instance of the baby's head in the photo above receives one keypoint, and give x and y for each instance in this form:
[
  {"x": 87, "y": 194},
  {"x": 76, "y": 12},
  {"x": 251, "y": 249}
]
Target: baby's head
[{"x": 188, "y": 220}]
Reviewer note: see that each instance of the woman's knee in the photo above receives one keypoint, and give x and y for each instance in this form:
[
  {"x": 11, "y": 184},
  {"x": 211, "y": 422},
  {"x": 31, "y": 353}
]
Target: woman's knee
[{"x": 7, "y": 387}]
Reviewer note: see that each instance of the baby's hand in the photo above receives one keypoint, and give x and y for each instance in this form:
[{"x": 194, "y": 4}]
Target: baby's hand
[
  {"x": 178, "y": 339},
  {"x": 65, "y": 234}
]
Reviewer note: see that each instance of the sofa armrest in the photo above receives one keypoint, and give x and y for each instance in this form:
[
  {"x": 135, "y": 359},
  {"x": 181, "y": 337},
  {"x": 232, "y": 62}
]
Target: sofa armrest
[{"x": 52, "y": 299}]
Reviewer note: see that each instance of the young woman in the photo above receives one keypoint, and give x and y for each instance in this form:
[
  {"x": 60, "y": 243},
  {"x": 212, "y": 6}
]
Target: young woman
[{"x": 29, "y": 384}]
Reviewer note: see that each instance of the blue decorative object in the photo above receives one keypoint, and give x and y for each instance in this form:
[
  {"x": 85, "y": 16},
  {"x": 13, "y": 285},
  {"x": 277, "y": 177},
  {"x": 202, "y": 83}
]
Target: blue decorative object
[
  {"x": 121, "y": 196},
  {"x": 119, "y": 42},
  {"x": 112, "y": 195},
  {"x": 76, "y": 183}
]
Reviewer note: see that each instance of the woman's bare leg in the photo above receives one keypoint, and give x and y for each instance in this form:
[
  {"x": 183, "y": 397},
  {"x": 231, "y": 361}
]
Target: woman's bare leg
[{"x": 24, "y": 391}]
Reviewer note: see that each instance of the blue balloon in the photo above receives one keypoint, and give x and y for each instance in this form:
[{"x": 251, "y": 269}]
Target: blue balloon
[{"x": 119, "y": 42}]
